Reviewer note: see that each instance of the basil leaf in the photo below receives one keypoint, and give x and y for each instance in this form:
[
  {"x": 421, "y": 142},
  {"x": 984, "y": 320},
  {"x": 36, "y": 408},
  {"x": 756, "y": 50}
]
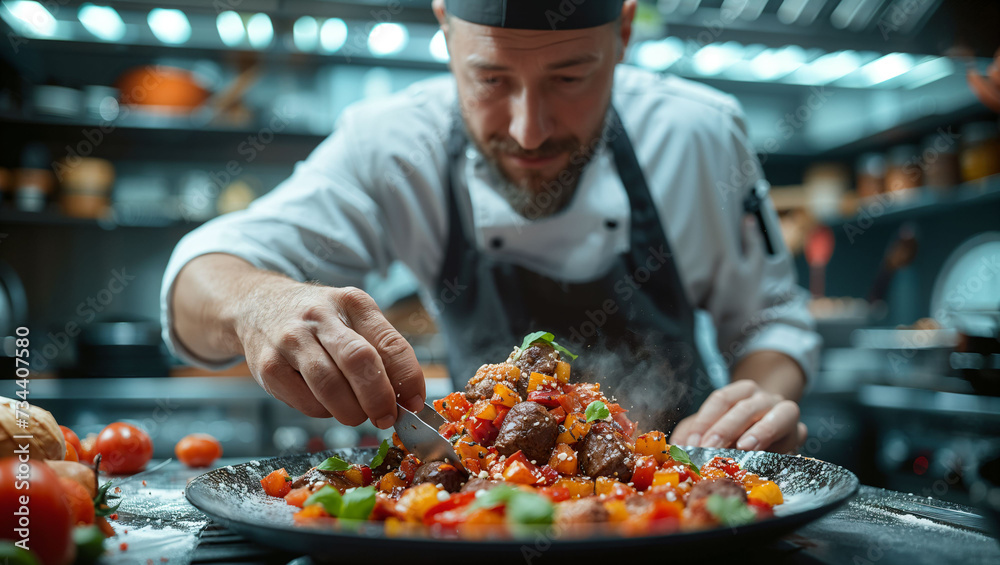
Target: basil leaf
[
  {"x": 681, "y": 456},
  {"x": 328, "y": 497},
  {"x": 380, "y": 456},
  {"x": 89, "y": 545},
  {"x": 597, "y": 411},
  {"x": 730, "y": 510},
  {"x": 357, "y": 504},
  {"x": 544, "y": 337},
  {"x": 523, "y": 508},
  {"x": 334, "y": 464}
]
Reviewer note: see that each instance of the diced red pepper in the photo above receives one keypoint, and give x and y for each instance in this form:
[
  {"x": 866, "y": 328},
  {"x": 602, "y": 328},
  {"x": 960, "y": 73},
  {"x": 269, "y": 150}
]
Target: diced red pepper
[
  {"x": 408, "y": 467},
  {"x": 570, "y": 403},
  {"x": 628, "y": 426},
  {"x": 763, "y": 509},
  {"x": 501, "y": 414},
  {"x": 366, "y": 475},
  {"x": 642, "y": 476},
  {"x": 453, "y": 407},
  {"x": 472, "y": 465},
  {"x": 545, "y": 397},
  {"x": 449, "y": 429},
  {"x": 441, "y": 513},
  {"x": 555, "y": 493},
  {"x": 547, "y": 475},
  {"x": 559, "y": 414},
  {"x": 482, "y": 431}
]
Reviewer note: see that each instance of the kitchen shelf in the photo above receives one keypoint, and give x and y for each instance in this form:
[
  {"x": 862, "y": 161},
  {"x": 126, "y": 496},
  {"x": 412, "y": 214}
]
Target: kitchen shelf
[
  {"x": 52, "y": 218},
  {"x": 924, "y": 201}
]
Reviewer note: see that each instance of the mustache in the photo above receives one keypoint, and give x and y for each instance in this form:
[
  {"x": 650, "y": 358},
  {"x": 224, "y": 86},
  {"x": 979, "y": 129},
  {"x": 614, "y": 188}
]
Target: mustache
[{"x": 550, "y": 148}]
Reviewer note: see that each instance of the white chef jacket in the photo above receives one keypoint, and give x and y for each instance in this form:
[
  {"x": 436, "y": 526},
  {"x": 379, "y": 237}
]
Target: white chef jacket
[{"x": 374, "y": 192}]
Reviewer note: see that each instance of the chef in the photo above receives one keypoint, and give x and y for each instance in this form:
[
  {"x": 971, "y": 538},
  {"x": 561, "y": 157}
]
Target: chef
[{"x": 540, "y": 186}]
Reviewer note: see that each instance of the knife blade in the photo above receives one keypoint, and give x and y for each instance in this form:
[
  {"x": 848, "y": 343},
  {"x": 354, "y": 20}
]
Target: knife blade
[{"x": 419, "y": 434}]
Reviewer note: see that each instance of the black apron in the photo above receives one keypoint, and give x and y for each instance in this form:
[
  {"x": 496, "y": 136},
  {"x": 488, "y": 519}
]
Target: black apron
[{"x": 632, "y": 327}]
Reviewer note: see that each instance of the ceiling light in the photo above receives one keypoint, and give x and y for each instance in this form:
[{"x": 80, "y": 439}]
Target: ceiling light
[
  {"x": 772, "y": 64},
  {"x": 439, "y": 47},
  {"x": 387, "y": 39},
  {"x": 231, "y": 30},
  {"x": 333, "y": 34},
  {"x": 886, "y": 68},
  {"x": 714, "y": 58},
  {"x": 260, "y": 31},
  {"x": 169, "y": 25},
  {"x": 659, "y": 55},
  {"x": 931, "y": 70},
  {"x": 305, "y": 33},
  {"x": 828, "y": 68},
  {"x": 32, "y": 17},
  {"x": 102, "y": 21}
]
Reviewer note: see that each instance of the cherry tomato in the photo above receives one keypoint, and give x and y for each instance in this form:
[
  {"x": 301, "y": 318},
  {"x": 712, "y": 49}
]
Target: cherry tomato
[
  {"x": 71, "y": 454},
  {"x": 86, "y": 451},
  {"x": 277, "y": 483},
  {"x": 49, "y": 515},
  {"x": 198, "y": 450},
  {"x": 124, "y": 448},
  {"x": 71, "y": 438}
]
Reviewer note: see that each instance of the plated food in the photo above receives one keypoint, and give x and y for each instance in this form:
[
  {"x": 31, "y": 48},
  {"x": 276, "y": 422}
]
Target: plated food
[{"x": 537, "y": 449}]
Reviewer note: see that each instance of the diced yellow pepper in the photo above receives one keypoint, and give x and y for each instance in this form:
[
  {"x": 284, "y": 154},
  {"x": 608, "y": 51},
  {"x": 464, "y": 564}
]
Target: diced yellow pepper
[
  {"x": 616, "y": 510},
  {"x": 485, "y": 410},
  {"x": 663, "y": 478},
  {"x": 467, "y": 448},
  {"x": 563, "y": 459},
  {"x": 574, "y": 428},
  {"x": 578, "y": 486},
  {"x": 611, "y": 487},
  {"x": 416, "y": 501},
  {"x": 562, "y": 371},
  {"x": 503, "y": 395},
  {"x": 767, "y": 491}
]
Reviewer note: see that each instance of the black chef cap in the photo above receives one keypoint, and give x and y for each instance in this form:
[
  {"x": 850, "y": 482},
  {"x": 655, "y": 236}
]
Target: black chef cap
[{"x": 536, "y": 14}]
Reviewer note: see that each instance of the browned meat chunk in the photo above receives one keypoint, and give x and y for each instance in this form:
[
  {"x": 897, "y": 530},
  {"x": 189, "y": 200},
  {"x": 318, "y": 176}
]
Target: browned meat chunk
[
  {"x": 449, "y": 477},
  {"x": 638, "y": 505},
  {"x": 540, "y": 358},
  {"x": 481, "y": 385},
  {"x": 393, "y": 457},
  {"x": 316, "y": 479},
  {"x": 603, "y": 452},
  {"x": 476, "y": 483},
  {"x": 582, "y": 511},
  {"x": 722, "y": 486},
  {"x": 529, "y": 428}
]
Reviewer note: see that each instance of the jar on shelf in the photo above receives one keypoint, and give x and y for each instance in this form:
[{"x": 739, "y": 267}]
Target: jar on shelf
[
  {"x": 871, "y": 175},
  {"x": 903, "y": 170},
  {"x": 941, "y": 163},
  {"x": 980, "y": 150}
]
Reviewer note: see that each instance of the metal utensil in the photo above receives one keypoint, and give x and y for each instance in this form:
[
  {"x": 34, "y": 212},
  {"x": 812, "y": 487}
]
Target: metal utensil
[{"x": 419, "y": 433}]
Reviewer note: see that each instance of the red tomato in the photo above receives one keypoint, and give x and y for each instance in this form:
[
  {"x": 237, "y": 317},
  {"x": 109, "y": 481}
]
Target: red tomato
[
  {"x": 71, "y": 454},
  {"x": 443, "y": 512},
  {"x": 124, "y": 449},
  {"x": 277, "y": 483},
  {"x": 548, "y": 475},
  {"x": 198, "y": 450},
  {"x": 642, "y": 477},
  {"x": 80, "y": 504},
  {"x": 453, "y": 406},
  {"x": 548, "y": 398},
  {"x": 71, "y": 439},
  {"x": 482, "y": 431},
  {"x": 570, "y": 403},
  {"x": 501, "y": 414},
  {"x": 555, "y": 494},
  {"x": 49, "y": 517},
  {"x": 559, "y": 414},
  {"x": 86, "y": 451}
]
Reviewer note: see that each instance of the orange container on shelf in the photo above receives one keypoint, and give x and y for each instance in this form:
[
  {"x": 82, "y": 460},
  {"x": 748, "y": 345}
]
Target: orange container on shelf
[
  {"x": 980, "y": 150},
  {"x": 164, "y": 89},
  {"x": 86, "y": 185},
  {"x": 904, "y": 169}
]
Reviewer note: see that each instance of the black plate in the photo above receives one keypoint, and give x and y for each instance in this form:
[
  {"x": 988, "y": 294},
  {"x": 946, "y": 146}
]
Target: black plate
[{"x": 233, "y": 496}]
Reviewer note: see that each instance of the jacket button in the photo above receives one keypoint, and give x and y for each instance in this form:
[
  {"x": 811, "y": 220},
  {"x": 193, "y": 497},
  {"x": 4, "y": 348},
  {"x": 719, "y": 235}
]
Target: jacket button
[
  {"x": 611, "y": 224},
  {"x": 496, "y": 242}
]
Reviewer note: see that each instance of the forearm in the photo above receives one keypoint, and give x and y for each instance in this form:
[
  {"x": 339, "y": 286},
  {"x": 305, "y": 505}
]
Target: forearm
[
  {"x": 773, "y": 371},
  {"x": 208, "y": 295}
]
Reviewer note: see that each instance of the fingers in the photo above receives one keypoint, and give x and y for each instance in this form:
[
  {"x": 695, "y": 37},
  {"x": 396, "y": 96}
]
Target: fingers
[
  {"x": 361, "y": 368},
  {"x": 681, "y": 432},
  {"x": 777, "y": 428},
  {"x": 717, "y": 404},
  {"x": 791, "y": 442},
  {"x": 742, "y": 415},
  {"x": 400, "y": 362},
  {"x": 280, "y": 380}
]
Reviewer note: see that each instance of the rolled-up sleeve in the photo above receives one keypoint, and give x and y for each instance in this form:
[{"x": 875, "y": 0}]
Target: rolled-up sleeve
[
  {"x": 320, "y": 224},
  {"x": 755, "y": 301}
]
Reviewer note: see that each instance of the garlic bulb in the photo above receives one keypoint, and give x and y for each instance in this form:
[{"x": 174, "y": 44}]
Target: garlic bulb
[{"x": 46, "y": 442}]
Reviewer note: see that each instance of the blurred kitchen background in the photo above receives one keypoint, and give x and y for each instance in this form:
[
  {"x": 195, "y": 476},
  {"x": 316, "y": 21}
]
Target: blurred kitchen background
[{"x": 128, "y": 124}]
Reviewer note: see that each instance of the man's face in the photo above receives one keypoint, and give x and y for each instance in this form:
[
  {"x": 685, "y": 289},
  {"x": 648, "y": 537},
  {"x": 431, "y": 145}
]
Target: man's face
[{"x": 534, "y": 101}]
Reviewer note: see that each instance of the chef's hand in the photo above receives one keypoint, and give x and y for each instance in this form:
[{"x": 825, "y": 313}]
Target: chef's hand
[
  {"x": 328, "y": 351},
  {"x": 745, "y": 416}
]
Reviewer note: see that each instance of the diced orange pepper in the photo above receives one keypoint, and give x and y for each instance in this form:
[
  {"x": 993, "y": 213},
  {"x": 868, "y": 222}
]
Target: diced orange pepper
[
  {"x": 767, "y": 492},
  {"x": 712, "y": 473},
  {"x": 297, "y": 497},
  {"x": 538, "y": 381},
  {"x": 469, "y": 449},
  {"x": 277, "y": 483},
  {"x": 521, "y": 473},
  {"x": 390, "y": 482},
  {"x": 311, "y": 511},
  {"x": 611, "y": 487},
  {"x": 653, "y": 444},
  {"x": 573, "y": 429},
  {"x": 562, "y": 371},
  {"x": 484, "y": 410},
  {"x": 563, "y": 459},
  {"x": 503, "y": 395},
  {"x": 616, "y": 510},
  {"x": 578, "y": 486},
  {"x": 453, "y": 407},
  {"x": 416, "y": 501},
  {"x": 481, "y": 523},
  {"x": 662, "y": 478}
]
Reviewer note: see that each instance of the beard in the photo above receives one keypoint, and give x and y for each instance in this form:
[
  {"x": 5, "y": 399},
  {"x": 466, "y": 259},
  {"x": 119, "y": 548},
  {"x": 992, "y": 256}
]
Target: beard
[{"x": 534, "y": 194}]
